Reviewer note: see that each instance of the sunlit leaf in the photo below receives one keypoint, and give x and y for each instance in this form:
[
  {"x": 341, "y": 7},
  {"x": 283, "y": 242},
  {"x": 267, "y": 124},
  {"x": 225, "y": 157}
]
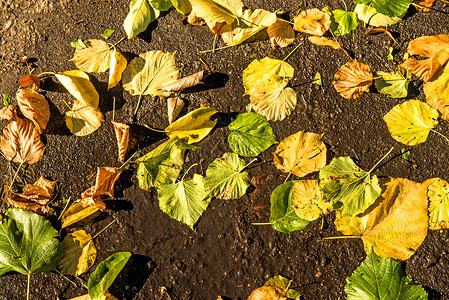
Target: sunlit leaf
[
  {"x": 122, "y": 135},
  {"x": 353, "y": 79},
  {"x": 82, "y": 212},
  {"x": 174, "y": 107},
  {"x": 140, "y": 15},
  {"x": 186, "y": 82},
  {"x": 343, "y": 22},
  {"x": 107, "y": 33},
  {"x": 411, "y": 122},
  {"x": 281, "y": 34},
  {"x": 382, "y": 278},
  {"x": 79, "y": 253},
  {"x": 30, "y": 79},
  {"x": 194, "y": 126},
  {"x": 78, "y": 44},
  {"x": 95, "y": 57},
  {"x": 251, "y": 134},
  {"x": 8, "y": 112},
  {"x": 283, "y": 283},
  {"x": 323, "y": 41},
  {"x": 390, "y": 8},
  {"x": 79, "y": 86},
  {"x": 437, "y": 91},
  {"x": 343, "y": 181},
  {"x": 116, "y": 68},
  {"x": 194, "y": 20},
  {"x": 393, "y": 84},
  {"x": 308, "y": 202},
  {"x": 312, "y": 21},
  {"x": 267, "y": 292},
  {"x": 300, "y": 153},
  {"x": 185, "y": 200},
  {"x": 370, "y": 16},
  {"x": 225, "y": 178},
  {"x": 83, "y": 119},
  {"x": 104, "y": 182},
  {"x": 427, "y": 4},
  {"x": 34, "y": 107},
  {"x": 182, "y": 6},
  {"x": 438, "y": 195},
  {"x": 162, "y": 5},
  {"x": 397, "y": 226}
]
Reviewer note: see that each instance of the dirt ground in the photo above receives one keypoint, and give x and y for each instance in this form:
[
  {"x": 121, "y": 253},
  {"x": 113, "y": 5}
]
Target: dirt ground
[{"x": 225, "y": 255}]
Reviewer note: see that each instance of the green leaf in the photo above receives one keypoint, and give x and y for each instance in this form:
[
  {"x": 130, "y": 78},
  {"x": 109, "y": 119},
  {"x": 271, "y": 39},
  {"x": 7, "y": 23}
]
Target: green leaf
[
  {"x": 251, "y": 135},
  {"x": 225, "y": 179},
  {"x": 405, "y": 154},
  {"x": 370, "y": 16},
  {"x": 6, "y": 100},
  {"x": 382, "y": 278},
  {"x": 107, "y": 33},
  {"x": 182, "y": 6},
  {"x": 184, "y": 201},
  {"x": 343, "y": 181},
  {"x": 283, "y": 218},
  {"x": 343, "y": 22},
  {"x": 141, "y": 14},
  {"x": 317, "y": 79},
  {"x": 162, "y": 5},
  {"x": 393, "y": 84},
  {"x": 105, "y": 274},
  {"x": 29, "y": 243},
  {"x": 283, "y": 283},
  {"x": 395, "y": 8},
  {"x": 163, "y": 163},
  {"x": 78, "y": 44}
]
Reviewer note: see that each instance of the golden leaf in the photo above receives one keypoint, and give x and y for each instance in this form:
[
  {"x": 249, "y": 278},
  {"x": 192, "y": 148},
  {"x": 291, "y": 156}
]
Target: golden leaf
[
  {"x": 79, "y": 253},
  {"x": 353, "y": 79},
  {"x": 117, "y": 66},
  {"x": 79, "y": 86},
  {"x": 322, "y": 41},
  {"x": 122, "y": 135},
  {"x": 104, "y": 182},
  {"x": 83, "y": 119},
  {"x": 438, "y": 195},
  {"x": 82, "y": 212},
  {"x": 308, "y": 201},
  {"x": 437, "y": 91},
  {"x": 34, "y": 107},
  {"x": 312, "y": 21},
  {"x": 300, "y": 153},
  {"x": 281, "y": 34},
  {"x": 93, "y": 58}
]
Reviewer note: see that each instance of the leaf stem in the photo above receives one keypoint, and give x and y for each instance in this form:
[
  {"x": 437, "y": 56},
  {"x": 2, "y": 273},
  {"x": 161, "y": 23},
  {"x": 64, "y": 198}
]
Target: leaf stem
[
  {"x": 293, "y": 51},
  {"x": 440, "y": 134},
  {"x": 127, "y": 160},
  {"x": 46, "y": 73},
  {"x": 121, "y": 40},
  {"x": 261, "y": 223},
  {"x": 138, "y": 105},
  {"x": 341, "y": 237},
  {"x": 213, "y": 50},
  {"x": 65, "y": 277},
  {"x": 288, "y": 176},
  {"x": 113, "y": 109},
  {"x": 28, "y": 286},
  {"x": 185, "y": 173},
  {"x": 15, "y": 175},
  {"x": 103, "y": 229},
  {"x": 151, "y": 128},
  {"x": 65, "y": 207},
  {"x": 344, "y": 3},
  {"x": 377, "y": 164},
  {"x": 249, "y": 164}
]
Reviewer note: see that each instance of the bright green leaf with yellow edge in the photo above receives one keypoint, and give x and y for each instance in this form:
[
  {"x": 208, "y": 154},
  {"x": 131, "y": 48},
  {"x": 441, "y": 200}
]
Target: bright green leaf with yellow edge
[
  {"x": 141, "y": 14},
  {"x": 308, "y": 202},
  {"x": 79, "y": 253},
  {"x": 438, "y": 195},
  {"x": 411, "y": 122}
]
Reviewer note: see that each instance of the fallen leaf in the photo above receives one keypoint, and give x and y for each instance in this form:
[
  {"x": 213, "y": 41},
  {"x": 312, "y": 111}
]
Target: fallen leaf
[
  {"x": 370, "y": 16},
  {"x": 312, "y": 21},
  {"x": 34, "y": 107},
  {"x": 27, "y": 202},
  {"x": 107, "y": 33},
  {"x": 79, "y": 253},
  {"x": 104, "y": 182},
  {"x": 225, "y": 178},
  {"x": 194, "y": 126},
  {"x": 283, "y": 283},
  {"x": 281, "y": 34},
  {"x": 353, "y": 79},
  {"x": 122, "y": 135},
  {"x": 267, "y": 293},
  {"x": 95, "y": 57},
  {"x": 83, "y": 119},
  {"x": 437, "y": 91},
  {"x": 8, "y": 112},
  {"x": 78, "y": 44},
  {"x": 186, "y": 82},
  {"x": 397, "y": 226},
  {"x": 307, "y": 200},
  {"x": 174, "y": 107},
  {"x": 438, "y": 195},
  {"x": 426, "y": 3},
  {"x": 117, "y": 66},
  {"x": 391, "y": 9},
  {"x": 79, "y": 86},
  {"x": 381, "y": 30},
  {"x": 411, "y": 122},
  {"x": 343, "y": 22},
  {"x": 323, "y": 41},
  {"x": 393, "y": 84},
  {"x": 141, "y": 14},
  {"x": 182, "y": 6},
  {"x": 30, "y": 79},
  {"x": 162, "y": 5},
  {"x": 194, "y": 20},
  {"x": 82, "y": 212},
  {"x": 20, "y": 142},
  {"x": 300, "y": 153}
]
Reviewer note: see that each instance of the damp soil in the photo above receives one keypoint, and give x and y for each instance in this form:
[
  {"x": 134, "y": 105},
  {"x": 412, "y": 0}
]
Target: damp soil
[{"x": 225, "y": 254}]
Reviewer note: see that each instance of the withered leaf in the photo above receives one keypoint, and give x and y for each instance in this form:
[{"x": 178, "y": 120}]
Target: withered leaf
[
  {"x": 21, "y": 142},
  {"x": 322, "y": 41},
  {"x": 267, "y": 293},
  {"x": 8, "y": 112},
  {"x": 381, "y": 30},
  {"x": 82, "y": 212},
  {"x": 427, "y": 4},
  {"x": 186, "y": 82},
  {"x": 34, "y": 107},
  {"x": 281, "y": 34},
  {"x": 174, "y": 107},
  {"x": 193, "y": 19},
  {"x": 312, "y": 21},
  {"x": 122, "y": 135},
  {"x": 353, "y": 79},
  {"x": 30, "y": 79},
  {"x": 104, "y": 182}
]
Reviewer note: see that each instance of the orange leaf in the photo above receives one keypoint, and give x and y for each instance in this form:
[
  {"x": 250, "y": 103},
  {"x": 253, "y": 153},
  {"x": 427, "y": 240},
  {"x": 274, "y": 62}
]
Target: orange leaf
[
  {"x": 312, "y": 21},
  {"x": 322, "y": 41},
  {"x": 122, "y": 134},
  {"x": 426, "y": 3},
  {"x": 353, "y": 79},
  {"x": 8, "y": 112},
  {"x": 34, "y": 107},
  {"x": 267, "y": 293},
  {"x": 193, "y": 19},
  {"x": 30, "y": 79},
  {"x": 281, "y": 34},
  {"x": 174, "y": 107},
  {"x": 104, "y": 183},
  {"x": 381, "y": 30}
]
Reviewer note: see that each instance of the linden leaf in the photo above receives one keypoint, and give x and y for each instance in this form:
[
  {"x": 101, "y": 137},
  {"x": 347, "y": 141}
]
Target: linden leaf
[
  {"x": 382, "y": 278},
  {"x": 283, "y": 217},
  {"x": 393, "y": 84},
  {"x": 182, "y": 6},
  {"x": 9, "y": 112},
  {"x": 184, "y": 201},
  {"x": 281, "y": 34},
  {"x": 257, "y": 69},
  {"x": 34, "y": 107},
  {"x": 122, "y": 135},
  {"x": 312, "y": 21},
  {"x": 141, "y": 14},
  {"x": 117, "y": 66},
  {"x": 343, "y": 22},
  {"x": 390, "y": 8},
  {"x": 79, "y": 86},
  {"x": 30, "y": 79},
  {"x": 194, "y": 126},
  {"x": 353, "y": 79},
  {"x": 104, "y": 182},
  {"x": 343, "y": 181},
  {"x": 162, "y": 5},
  {"x": 148, "y": 73},
  {"x": 271, "y": 98},
  {"x": 411, "y": 121},
  {"x": 94, "y": 58},
  {"x": 438, "y": 195},
  {"x": 20, "y": 142},
  {"x": 82, "y": 212},
  {"x": 397, "y": 226},
  {"x": 83, "y": 119},
  {"x": 225, "y": 178},
  {"x": 79, "y": 253},
  {"x": 308, "y": 202},
  {"x": 186, "y": 82},
  {"x": 437, "y": 91},
  {"x": 251, "y": 134},
  {"x": 300, "y": 153},
  {"x": 370, "y": 16}
]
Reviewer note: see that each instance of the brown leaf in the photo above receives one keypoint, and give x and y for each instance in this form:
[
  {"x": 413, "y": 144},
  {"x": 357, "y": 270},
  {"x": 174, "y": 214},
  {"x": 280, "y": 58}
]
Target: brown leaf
[
  {"x": 186, "y": 82},
  {"x": 21, "y": 142},
  {"x": 312, "y": 21},
  {"x": 174, "y": 107},
  {"x": 353, "y": 79},
  {"x": 193, "y": 19},
  {"x": 104, "y": 183},
  {"x": 323, "y": 41},
  {"x": 381, "y": 30},
  {"x": 267, "y": 293},
  {"x": 122, "y": 135},
  {"x": 30, "y": 79},
  {"x": 8, "y": 113},
  {"x": 281, "y": 34},
  {"x": 34, "y": 107},
  {"x": 426, "y": 3},
  {"x": 82, "y": 212}
]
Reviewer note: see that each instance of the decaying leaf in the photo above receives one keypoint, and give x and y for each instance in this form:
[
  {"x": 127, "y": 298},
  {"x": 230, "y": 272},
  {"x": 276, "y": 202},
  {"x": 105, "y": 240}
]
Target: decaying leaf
[
  {"x": 83, "y": 119},
  {"x": 194, "y": 126},
  {"x": 186, "y": 82},
  {"x": 82, "y": 212},
  {"x": 427, "y": 4},
  {"x": 308, "y": 202},
  {"x": 281, "y": 34},
  {"x": 20, "y": 142},
  {"x": 267, "y": 293},
  {"x": 381, "y": 30},
  {"x": 8, "y": 112},
  {"x": 437, "y": 91},
  {"x": 397, "y": 226},
  {"x": 122, "y": 135},
  {"x": 34, "y": 107},
  {"x": 353, "y": 79},
  {"x": 393, "y": 84},
  {"x": 438, "y": 195},
  {"x": 300, "y": 153},
  {"x": 225, "y": 178},
  {"x": 79, "y": 253},
  {"x": 312, "y": 21},
  {"x": 29, "y": 79},
  {"x": 95, "y": 57},
  {"x": 174, "y": 107},
  {"x": 370, "y": 16},
  {"x": 79, "y": 86},
  {"x": 283, "y": 283},
  {"x": 104, "y": 182},
  {"x": 411, "y": 122},
  {"x": 323, "y": 41},
  {"x": 193, "y": 19},
  {"x": 117, "y": 66}
]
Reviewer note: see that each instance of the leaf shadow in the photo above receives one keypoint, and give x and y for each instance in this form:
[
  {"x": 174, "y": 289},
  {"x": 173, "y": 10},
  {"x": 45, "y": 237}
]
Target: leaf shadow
[
  {"x": 147, "y": 35},
  {"x": 214, "y": 80},
  {"x": 56, "y": 125},
  {"x": 141, "y": 137}
]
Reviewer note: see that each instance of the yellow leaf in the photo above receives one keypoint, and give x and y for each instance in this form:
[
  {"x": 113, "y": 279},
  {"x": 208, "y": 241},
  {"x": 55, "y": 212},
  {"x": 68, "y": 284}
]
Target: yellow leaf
[
  {"x": 308, "y": 201},
  {"x": 194, "y": 126},
  {"x": 79, "y": 86},
  {"x": 370, "y": 16},
  {"x": 397, "y": 226},
  {"x": 353, "y": 79},
  {"x": 271, "y": 98},
  {"x": 82, "y": 212},
  {"x": 83, "y": 119},
  {"x": 322, "y": 41},
  {"x": 438, "y": 195},
  {"x": 437, "y": 91},
  {"x": 117, "y": 67},
  {"x": 79, "y": 253},
  {"x": 411, "y": 121},
  {"x": 300, "y": 153},
  {"x": 93, "y": 58},
  {"x": 312, "y": 21},
  {"x": 281, "y": 34}
]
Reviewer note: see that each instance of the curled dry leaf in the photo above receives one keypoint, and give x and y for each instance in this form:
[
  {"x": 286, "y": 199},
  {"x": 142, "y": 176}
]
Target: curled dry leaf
[
  {"x": 30, "y": 79},
  {"x": 186, "y": 82},
  {"x": 34, "y": 107},
  {"x": 353, "y": 79},
  {"x": 312, "y": 21},
  {"x": 21, "y": 142},
  {"x": 381, "y": 30},
  {"x": 267, "y": 293},
  {"x": 122, "y": 135},
  {"x": 193, "y": 19},
  {"x": 104, "y": 182},
  {"x": 174, "y": 107},
  {"x": 82, "y": 212},
  {"x": 281, "y": 34},
  {"x": 322, "y": 41},
  {"x": 8, "y": 112},
  {"x": 427, "y": 4}
]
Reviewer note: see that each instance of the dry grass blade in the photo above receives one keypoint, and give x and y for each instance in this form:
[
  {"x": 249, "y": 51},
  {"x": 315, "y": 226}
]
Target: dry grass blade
[{"x": 186, "y": 82}]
